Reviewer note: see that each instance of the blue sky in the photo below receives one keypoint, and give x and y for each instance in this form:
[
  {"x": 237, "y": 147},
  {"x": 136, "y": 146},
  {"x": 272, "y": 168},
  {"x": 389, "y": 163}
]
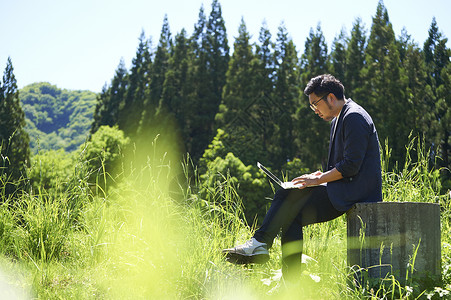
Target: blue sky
[{"x": 77, "y": 44}]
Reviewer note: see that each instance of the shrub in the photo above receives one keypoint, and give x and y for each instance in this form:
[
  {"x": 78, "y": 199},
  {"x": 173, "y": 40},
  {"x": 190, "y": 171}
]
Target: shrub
[
  {"x": 103, "y": 153},
  {"x": 50, "y": 170},
  {"x": 251, "y": 186}
]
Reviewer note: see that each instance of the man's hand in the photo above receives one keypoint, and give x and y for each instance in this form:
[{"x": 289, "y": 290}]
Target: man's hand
[
  {"x": 308, "y": 179},
  {"x": 317, "y": 178}
]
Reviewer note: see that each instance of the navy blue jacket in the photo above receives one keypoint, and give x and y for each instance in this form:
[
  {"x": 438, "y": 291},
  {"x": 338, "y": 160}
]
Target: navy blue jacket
[{"x": 354, "y": 151}]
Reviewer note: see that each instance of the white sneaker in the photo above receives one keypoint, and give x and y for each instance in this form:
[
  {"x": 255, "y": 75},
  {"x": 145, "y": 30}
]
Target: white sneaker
[{"x": 250, "y": 252}]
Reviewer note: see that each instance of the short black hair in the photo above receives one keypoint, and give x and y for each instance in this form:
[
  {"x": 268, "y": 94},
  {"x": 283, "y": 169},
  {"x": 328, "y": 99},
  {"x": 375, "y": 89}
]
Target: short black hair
[{"x": 324, "y": 84}]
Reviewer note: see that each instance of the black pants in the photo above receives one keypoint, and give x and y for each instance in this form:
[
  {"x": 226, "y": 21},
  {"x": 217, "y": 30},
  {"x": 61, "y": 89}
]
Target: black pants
[{"x": 291, "y": 210}]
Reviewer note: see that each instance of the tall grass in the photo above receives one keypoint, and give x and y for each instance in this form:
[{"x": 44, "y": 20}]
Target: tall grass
[
  {"x": 414, "y": 181},
  {"x": 151, "y": 236}
]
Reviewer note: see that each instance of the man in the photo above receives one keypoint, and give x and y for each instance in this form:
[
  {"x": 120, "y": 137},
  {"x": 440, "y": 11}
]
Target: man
[{"x": 353, "y": 175}]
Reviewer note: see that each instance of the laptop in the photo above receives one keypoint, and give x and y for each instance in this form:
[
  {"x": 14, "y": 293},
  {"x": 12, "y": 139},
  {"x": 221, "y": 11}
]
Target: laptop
[{"x": 285, "y": 185}]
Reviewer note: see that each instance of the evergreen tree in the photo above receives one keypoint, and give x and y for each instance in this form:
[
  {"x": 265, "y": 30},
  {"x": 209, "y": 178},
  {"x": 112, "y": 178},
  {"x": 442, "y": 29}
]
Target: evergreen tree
[
  {"x": 266, "y": 68},
  {"x": 121, "y": 102},
  {"x": 444, "y": 112},
  {"x": 100, "y": 110},
  {"x": 107, "y": 111},
  {"x": 419, "y": 116},
  {"x": 199, "y": 32},
  {"x": 264, "y": 77},
  {"x": 338, "y": 56},
  {"x": 238, "y": 91},
  {"x": 239, "y": 113},
  {"x": 199, "y": 135},
  {"x": 315, "y": 60},
  {"x": 355, "y": 61},
  {"x": 384, "y": 85},
  {"x": 175, "y": 86},
  {"x": 14, "y": 140},
  {"x": 313, "y": 135},
  {"x": 136, "y": 92},
  {"x": 437, "y": 57},
  {"x": 174, "y": 105},
  {"x": 218, "y": 50},
  {"x": 157, "y": 74},
  {"x": 211, "y": 57},
  {"x": 286, "y": 95}
]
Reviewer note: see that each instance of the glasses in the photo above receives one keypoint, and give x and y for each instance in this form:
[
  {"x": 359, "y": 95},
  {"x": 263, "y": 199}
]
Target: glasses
[{"x": 313, "y": 105}]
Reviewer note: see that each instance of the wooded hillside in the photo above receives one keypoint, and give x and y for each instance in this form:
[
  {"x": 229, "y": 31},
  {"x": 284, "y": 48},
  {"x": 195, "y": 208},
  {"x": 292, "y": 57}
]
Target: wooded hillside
[{"x": 56, "y": 118}]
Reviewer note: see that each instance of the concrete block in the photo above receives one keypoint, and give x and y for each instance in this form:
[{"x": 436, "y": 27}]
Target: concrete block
[{"x": 391, "y": 237}]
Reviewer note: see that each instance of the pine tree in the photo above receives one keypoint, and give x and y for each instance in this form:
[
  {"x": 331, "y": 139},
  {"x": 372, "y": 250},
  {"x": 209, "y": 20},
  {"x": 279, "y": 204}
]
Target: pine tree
[
  {"x": 238, "y": 91},
  {"x": 384, "y": 85},
  {"x": 434, "y": 59},
  {"x": 313, "y": 134},
  {"x": 111, "y": 100},
  {"x": 266, "y": 68},
  {"x": 14, "y": 140},
  {"x": 437, "y": 57},
  {"x": 175, "y": 87},
  {"x": 136, "y": 92},
  {"x": 315, "y": 60},
  {"x": 240, "y": 113},
  {"x": 100, "y": 111},
  {"x": 264, "y": 82},
  {"x": 419, "y": 116},
  {"x": 355, "y": 61},
  {"x": 286, "y": 95},
  {"x": 175, "y": 105},
  {"x": 444, "y": 111},
  {"x": 199, "y": 33},
  {"x": 199, "y": 133},
  {"x": 211, "y": 58},
  {"x": 338, "y": 56},
  {"x": 217, "y": 49}
]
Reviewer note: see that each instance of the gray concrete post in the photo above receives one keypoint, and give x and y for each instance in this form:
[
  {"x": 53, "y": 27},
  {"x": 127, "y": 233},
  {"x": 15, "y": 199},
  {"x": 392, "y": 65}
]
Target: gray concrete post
[{"x": 388, "y": 237}]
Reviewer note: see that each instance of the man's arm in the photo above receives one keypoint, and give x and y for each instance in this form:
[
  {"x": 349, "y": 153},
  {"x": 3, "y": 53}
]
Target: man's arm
[{"x": 317, "y": 178}]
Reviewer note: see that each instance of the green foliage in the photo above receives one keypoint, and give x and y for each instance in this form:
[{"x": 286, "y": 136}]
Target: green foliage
[
  {"x": 217, "y": 166},
  {"x": 215, "y": 149},
  {"x": 286, "y": 93},
  {"x": 56, "y": 119},
  {"x": 355, "y": 61},
  {"x": 36, "y": 227},
  {"x": 50, "y": 169},
  {"x": 8, "y": 225},
  {"x": 151, "y": 105},
  {"x": 414, "y": 181},
  {"x": 14, "y": 149},
  {"x": 110, "y": 101},
  {"x": 103, "y": 154},
  {"x": 295, "y": 168},
  {"x": 250, "y": 185},
  {"x": 46, "y": 224},
  {"x": 241, "y": 107},
  {"x": 312, "y": 134},
  {"x": 338, "y": 56},
  {"x": 384, "y": 83}
]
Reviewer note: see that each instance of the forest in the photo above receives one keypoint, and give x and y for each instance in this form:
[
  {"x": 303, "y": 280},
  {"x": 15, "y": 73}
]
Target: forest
[{"x": 185, "y": 125}]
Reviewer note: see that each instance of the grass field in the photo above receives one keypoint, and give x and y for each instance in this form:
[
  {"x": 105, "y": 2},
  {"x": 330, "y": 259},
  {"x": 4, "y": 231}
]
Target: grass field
[{"x": 149, "y": 236}]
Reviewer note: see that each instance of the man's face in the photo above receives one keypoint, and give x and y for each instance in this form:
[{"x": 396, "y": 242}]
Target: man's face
[{"x": 321, "y": 106}]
